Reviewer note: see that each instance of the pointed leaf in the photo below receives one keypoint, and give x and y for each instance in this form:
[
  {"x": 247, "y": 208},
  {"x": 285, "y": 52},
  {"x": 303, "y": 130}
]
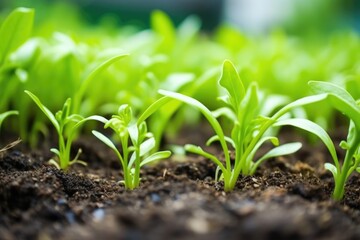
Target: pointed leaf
[
  {"x": 45, "y": 110},
  {"x": 199, "y": 151},
  {"x": 231, "y": 81},
  {"x": 155, "y": 156},
  {"x": 284, "y": 149},
  {"x": 315, "y": 129},
  {"x": 299, "y": 103},
  {"x": 105, "y": 140},
  {"x": 56, "y": 151},
  {"x": 340, "y": 99},
  {"x": 216, "y": 138},
  {"x": 332, "y": 169}
]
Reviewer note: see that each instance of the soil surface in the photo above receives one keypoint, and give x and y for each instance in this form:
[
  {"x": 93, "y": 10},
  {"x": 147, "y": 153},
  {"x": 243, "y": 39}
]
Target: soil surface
[{"x": 287, "y": 198}]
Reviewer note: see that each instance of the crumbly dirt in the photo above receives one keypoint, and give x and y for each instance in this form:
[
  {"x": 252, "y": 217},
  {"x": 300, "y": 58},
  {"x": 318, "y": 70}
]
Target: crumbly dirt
[{"x": 287, "y": 198}]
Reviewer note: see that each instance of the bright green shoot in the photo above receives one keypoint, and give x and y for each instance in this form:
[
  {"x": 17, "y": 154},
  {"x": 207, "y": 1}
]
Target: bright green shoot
[
  {"x": 132, "y": 157},
  {"x": 344, "y": 102},
  {"x": 67, "y": 126},
  {"x": 250, "y": 130}
]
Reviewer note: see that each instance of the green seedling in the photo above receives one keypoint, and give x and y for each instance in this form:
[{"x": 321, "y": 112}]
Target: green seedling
[
  {"x": 67, "y": 126},
  {"x": 250, "y": 130},
  {"x": 132, "y": 157},
  {"x": 340, "y": 99}
]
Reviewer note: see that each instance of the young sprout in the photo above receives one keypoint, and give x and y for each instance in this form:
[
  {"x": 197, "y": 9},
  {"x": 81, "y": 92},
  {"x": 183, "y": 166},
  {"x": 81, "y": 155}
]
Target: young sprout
[
  {"x": 340, "y": 99},
  {"x": 142, "y": 143},
  {"x": 250, "y": 129},
  {"x": 67, "y": 126}
]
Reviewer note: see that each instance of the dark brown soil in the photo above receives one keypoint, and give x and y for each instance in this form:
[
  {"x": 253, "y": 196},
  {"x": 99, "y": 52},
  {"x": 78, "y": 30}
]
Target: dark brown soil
[{"x": 288, "y": 198}]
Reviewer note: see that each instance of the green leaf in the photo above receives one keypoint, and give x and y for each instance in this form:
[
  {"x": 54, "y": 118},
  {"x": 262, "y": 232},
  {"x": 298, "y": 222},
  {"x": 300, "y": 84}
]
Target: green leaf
[
  {"x": 327, "y": 87},
  {"x": 299, "y": 103},
  {"x": 340, "y": 99},
  {"x": 332, "y": 169},
  {"x": 66, "y": 110},
  {"x": 155, "y": 156},
  {"x": 284, "y": 149},
  {"x": 216, "y": 138},
  {"x": 45, "y": 110},
  {"x": 250, "y": 158},
  {"x": 133, "y": 133},
  {"x": 162, "y": 25},
  {"x": 315, "y": 129},
  {"x": 231, "y": 81},
  {"x": 105, "y": 140},
  {"x": 152, "y": 108},
  {"x": 56, "y": 151},
  {"x": 176, "y": 81},
  {"x": 15, "y": 30},
  {"x": 248, "y": 106},
  {"x": 226, "y": 112},
  {"x": 199, "y": 151},
  {"x": 147, "y": 146},
  {"x": 207, "y": 114},
  {"x": 92, "y": 75}
]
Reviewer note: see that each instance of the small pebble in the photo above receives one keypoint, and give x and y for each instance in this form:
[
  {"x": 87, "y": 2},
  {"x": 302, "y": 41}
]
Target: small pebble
[
  {"x": 98, "y": 214},
  {"x": 155, "y": 197}
]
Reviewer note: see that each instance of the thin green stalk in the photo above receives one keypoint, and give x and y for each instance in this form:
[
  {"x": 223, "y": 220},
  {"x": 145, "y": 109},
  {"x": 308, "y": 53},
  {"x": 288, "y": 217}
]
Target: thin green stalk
[{"x": 338, "y": 193}]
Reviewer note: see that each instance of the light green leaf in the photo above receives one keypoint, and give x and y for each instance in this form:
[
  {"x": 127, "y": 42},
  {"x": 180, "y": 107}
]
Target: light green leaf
[
  {"x": 105, "y": 140},
  {"x": 155, "y": 156},
  {"x": 152, "y": 108},
  {"x": 216, "y": 138},
  {"x": 332, "y": 169},
  {"x": 226, "y": 112},
  {"x": 56, "y": 151},
  {"x": 282, "y": 150},
  {"x": 15, "y": 30},
  {"x": 299, "y": 103},
  {"x": 45, "y": 110},
  {"x": 315, "y": 129},
  {"x": 231, "y": 81},
  {"x": 89, "y": 78},
  {"x": 199, "y": 151},
  {"x": 133, "y": 133},
  {"x": 147, "y": 146},
  {"x": 207, "y": 114},
  {"x": 340, "y": 99},
  {"x": 162, "y": 25},
  {"x": 274, "y": 141},
  {"x": 248, "y": 106},
  {"x": 176, "y": 81},
  {"x": 327, "y": 87}
]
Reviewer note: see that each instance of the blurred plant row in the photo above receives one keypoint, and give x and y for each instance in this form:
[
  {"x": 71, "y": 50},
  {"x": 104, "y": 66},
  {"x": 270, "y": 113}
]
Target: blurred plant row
[{"x": 135, "y": 64}]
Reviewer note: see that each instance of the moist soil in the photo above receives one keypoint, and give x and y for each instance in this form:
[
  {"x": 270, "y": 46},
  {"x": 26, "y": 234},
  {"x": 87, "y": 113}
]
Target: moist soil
[{"x": 288, "y": 198}]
